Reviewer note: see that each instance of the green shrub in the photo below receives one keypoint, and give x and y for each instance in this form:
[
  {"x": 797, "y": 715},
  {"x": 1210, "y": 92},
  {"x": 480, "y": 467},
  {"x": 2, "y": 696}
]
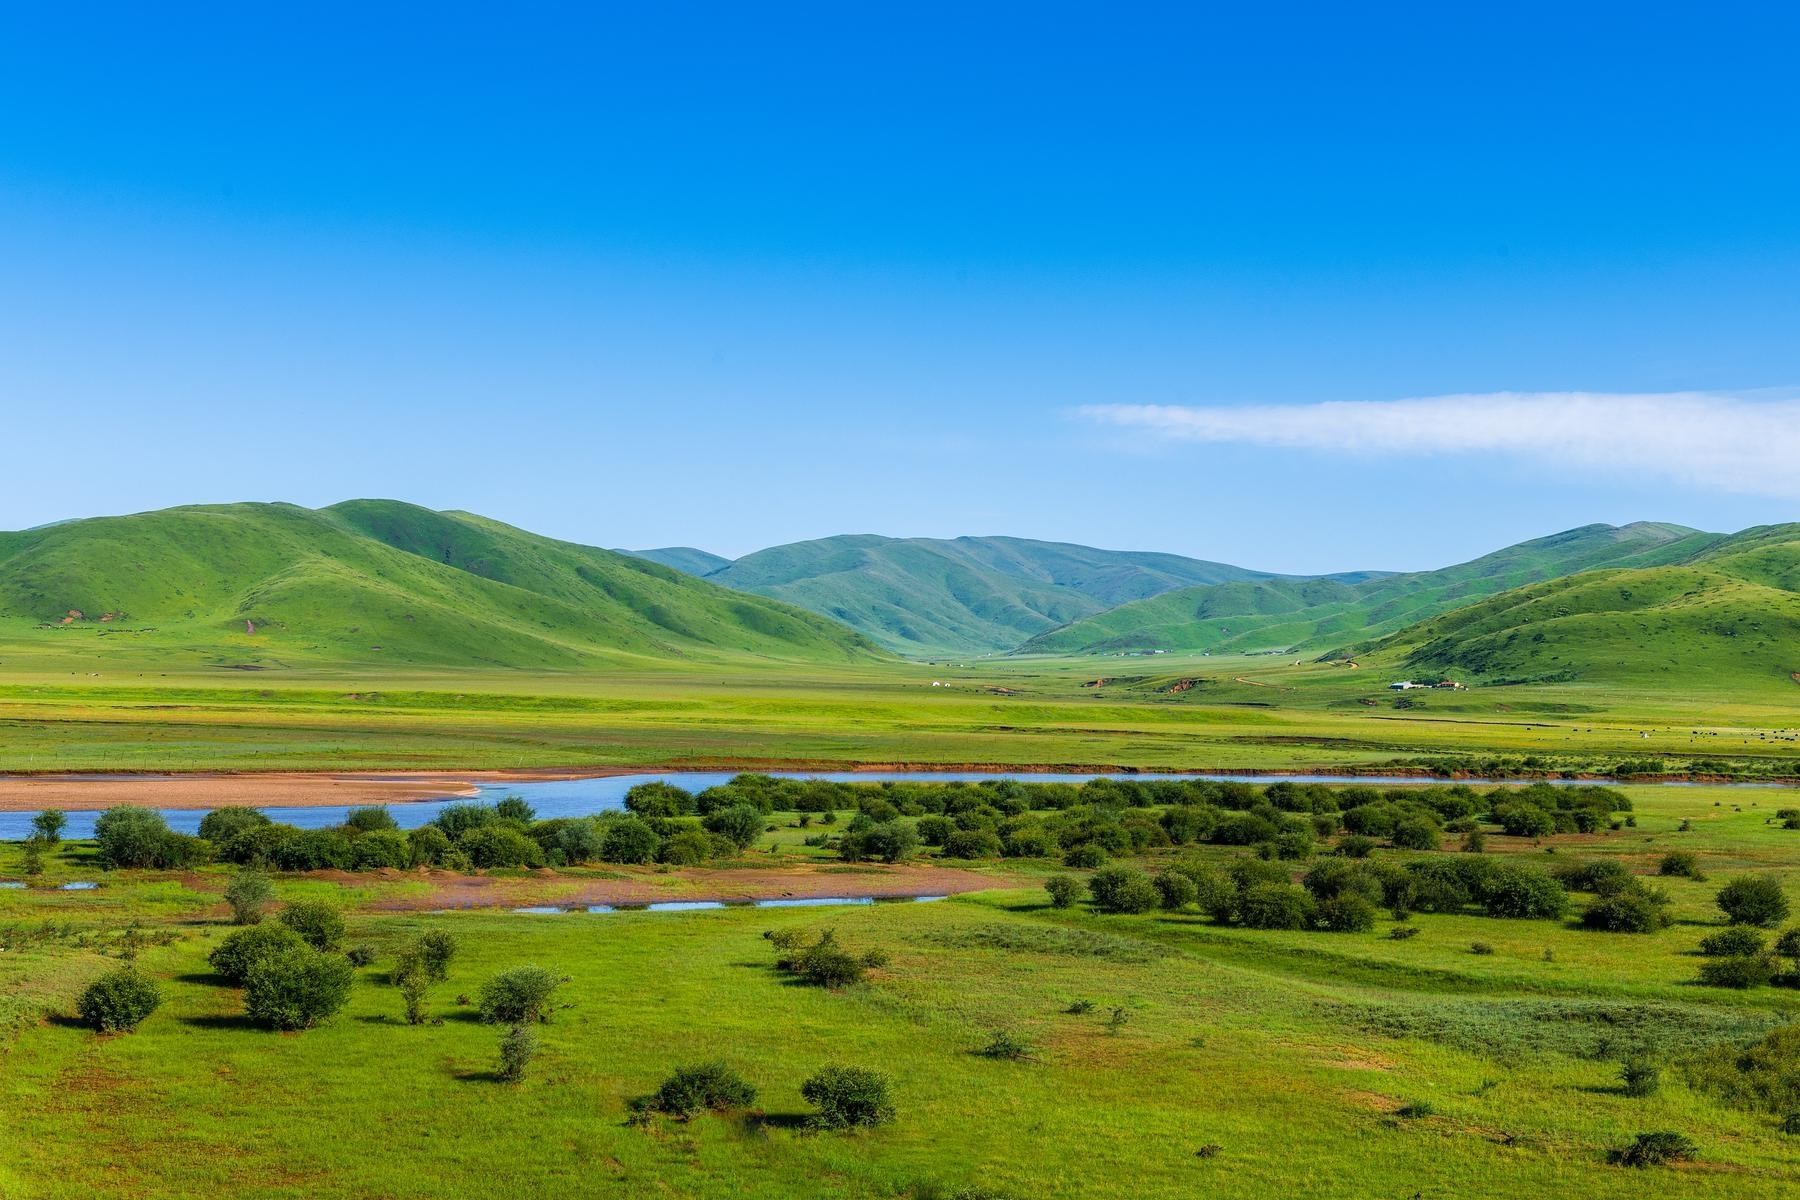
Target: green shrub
[
  {"x": 849, "y": 1097},
  {"x": 740, "y": 824},
  {"x": 1654, "y": 1150},
  {"x": 972, "y": 843},
  {"x": 1763, "y": 1075},
  {"x": 1007, "y": 1046},
  {"x": 240, "y": 951},
  {"x": 139, "y": 837},
  {"x": 687, "y": 848},
  {"x": 119, "y": 1000},
  {"x": 1731, "y": 942},
  {"x": 374, "y": 819},
  {"x": 296, "y": 988},
  {"x": 436, "y": 949},
  {"x": 1474, "y": 842},
  {"x": 628, "y": 840},
  {"x": 380, "y": 848},
  {"x": 1754, "y": 900},
  {"x": 1481, "y": 949},
  {"x": 1085, "y": 856},
  {"x": 1275, "y": 906},
  {"x": 248, "y": 894},
  {"x": 519, "y": 996},
  {"x": 1416, "y": 833},
  {"x": 518, "y": 1046},
  {"x": 826, "y": 964},
  {"x": 1518, "y": 892},
  {"x": 1123, "y": 890},
  {"x": 1683, "y": 863},
  {"x": 360, "y": 955},
  {"x": 1416, "y": 1110},
  {"x": 709, "y": 1087},
  {"x": 1064, "y": 890},
  {"x": 1347, "y": 913},
  {"x": 1739, "y": 971},
  {"x": 1639, "y": 1077},
  {"x": 1636, "y": 909},
  {"x": 318, "y": 922},
  {"x": 497, "y": 845},
  {"x": 1603, "y": 877},
  {"x": 429, "y": 845},
  {"x": 1175, "y": 890},
  {"x": 47, "y": 827},
  {"x": 1356, "y": 845}
]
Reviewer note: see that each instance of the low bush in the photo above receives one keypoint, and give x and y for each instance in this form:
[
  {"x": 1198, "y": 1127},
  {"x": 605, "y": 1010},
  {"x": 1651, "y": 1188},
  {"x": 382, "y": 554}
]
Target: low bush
[
  {"x": 360, "y": 955},
  {"x": 241, "y": 951},
  {"x": 248, "y": 894},
  {"x": 1682, "y": 863},
  {"x": 518, "y": 1046},
  {"x": 1175, "y": 890},
  {"x": 849, "y": 1097},
  {"x": 1738, "y": 971},
  {"x": 520, "y": 996},
  {"x": 1347, "y": 913},
  {"x": 1635, "y": 909},
  {"x": 1753, "y": 900},
  {"x": 1274, "y": 906},
  {"x": 1654, "y": 1150},
  {"x": 1064, "y": 890},
  {"x": 119, "y": 1000},
  {"x": 319, "y": 923},
  {"x": 1732, "y": 942},
  {"x": 1639, "y": 1077},
  {"x": 1123, "y": 890},
  {"x": 1086, "y": 856},
  {"x": 1007, "y": 1046},
  {"x": 709, "y": 1087},
  {"x": 1356, "y": 845},
  {"x": 296, "y": 988}
]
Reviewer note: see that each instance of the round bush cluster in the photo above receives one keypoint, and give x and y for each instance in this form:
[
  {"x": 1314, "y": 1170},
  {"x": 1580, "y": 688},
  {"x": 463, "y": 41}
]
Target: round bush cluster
[{"x": 118, "y": 1001}]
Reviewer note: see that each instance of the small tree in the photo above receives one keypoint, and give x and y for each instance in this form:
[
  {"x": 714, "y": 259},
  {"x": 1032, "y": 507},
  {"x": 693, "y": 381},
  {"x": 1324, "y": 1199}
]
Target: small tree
[
  {"x": 709, "y": 1087},
  {"x": 414, "y": 985},
  {"x": 520, "y": 996},
  {"x": 1754, "y": 900},
  {"x": 31, "y": 861},
  {"x": 119, "y": 1000},
  {"x": 319, "y": 923},
  {"x": 248, "y": 894},
  {"x": 518, "y": 1046},
  {"x": 1064, "y": 890},
  {"x": 47, "y": 826},
  {"x": 297, "y": 988},
  {"x": 437, "y": 949},
  {"x": 849, "y": 1097}
]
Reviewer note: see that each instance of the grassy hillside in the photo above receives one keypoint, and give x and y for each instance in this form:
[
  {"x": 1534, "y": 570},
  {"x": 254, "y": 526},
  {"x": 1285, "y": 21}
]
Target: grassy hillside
[
  {"x": 967, "y": 595},
  {"x": 1287, "y": 613},
  {"x": 375, "y": 581},
  {"x": 1730, "y": 612},
  {"x": 683, "y": 558}
]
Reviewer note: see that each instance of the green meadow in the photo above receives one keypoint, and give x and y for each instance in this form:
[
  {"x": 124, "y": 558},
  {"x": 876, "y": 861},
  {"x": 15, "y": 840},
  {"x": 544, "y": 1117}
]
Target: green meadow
[
  {"x": 80, "y": 709},
  {"x": 1202, "y": 1058}
]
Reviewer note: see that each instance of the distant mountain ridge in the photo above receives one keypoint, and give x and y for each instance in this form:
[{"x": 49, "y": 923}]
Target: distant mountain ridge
[
  {"x": 683, "y": 558},
  {"x": 966, "y": 595},
  {"x": 1290, "y": 613},
  {"x": 381, "y": 581}
]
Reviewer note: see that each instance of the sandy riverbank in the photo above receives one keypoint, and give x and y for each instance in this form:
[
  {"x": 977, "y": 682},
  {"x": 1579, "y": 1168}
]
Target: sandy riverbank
[{"x": 285, "y": 789}]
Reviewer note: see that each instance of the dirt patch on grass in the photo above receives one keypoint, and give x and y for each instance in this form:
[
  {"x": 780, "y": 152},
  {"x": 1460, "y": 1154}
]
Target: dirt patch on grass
[{"x": 643, "y": 885}]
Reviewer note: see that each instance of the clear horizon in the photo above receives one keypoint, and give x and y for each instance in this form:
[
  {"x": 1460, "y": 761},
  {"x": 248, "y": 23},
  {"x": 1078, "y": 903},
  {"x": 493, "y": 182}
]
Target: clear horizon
[{"x": 1301, "y": 295}]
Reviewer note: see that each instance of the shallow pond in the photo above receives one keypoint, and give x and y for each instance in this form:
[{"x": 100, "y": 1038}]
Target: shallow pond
[{"x": 666, "y": 906}]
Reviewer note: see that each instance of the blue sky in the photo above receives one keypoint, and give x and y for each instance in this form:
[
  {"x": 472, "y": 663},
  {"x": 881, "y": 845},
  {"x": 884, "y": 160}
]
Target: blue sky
[{"x": 1153, "y": 277}]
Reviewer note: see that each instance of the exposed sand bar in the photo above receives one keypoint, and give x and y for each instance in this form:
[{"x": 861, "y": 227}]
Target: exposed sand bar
[{"x": 274, "y": 789}]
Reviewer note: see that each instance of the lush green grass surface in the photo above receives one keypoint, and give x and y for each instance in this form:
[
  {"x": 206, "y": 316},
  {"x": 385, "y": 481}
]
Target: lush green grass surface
[
  {"x": 1323, "y": 614},
  {"x": 1290, "y": 1052},
  {"x": 118, "y": 709}
]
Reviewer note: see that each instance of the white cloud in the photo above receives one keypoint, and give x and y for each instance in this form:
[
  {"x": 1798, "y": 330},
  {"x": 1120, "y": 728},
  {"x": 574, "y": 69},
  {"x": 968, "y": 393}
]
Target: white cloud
[{"x": 1712, "y": 441}]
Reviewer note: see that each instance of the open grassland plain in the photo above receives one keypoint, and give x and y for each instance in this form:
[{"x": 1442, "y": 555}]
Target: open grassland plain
[
  {"x": 111, "y": 709},
  {"x": 1149, "y": 1054}
]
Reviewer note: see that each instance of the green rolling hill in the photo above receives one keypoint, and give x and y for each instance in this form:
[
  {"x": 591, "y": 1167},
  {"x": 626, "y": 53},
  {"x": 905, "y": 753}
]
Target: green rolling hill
[
  {"x": 969, "y": 595},
  {"x": 683, "y": 558},
  {"x": 1288, "y": 613},
  {"x": 378, "y": 581},
  {"x": 1726, "y": 616}
]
